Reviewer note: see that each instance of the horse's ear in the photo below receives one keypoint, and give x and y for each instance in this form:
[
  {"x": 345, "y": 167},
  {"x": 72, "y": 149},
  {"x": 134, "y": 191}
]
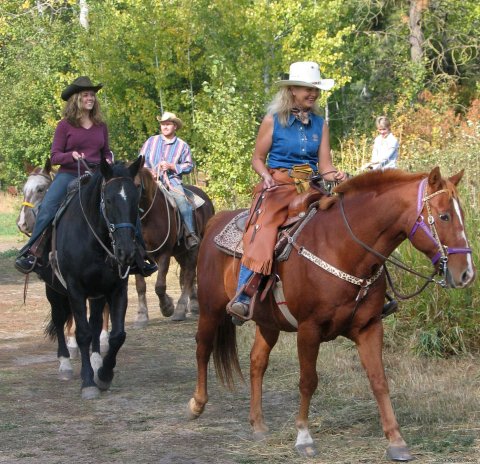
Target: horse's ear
[
  {"x": 457, "y": 177},
  {"x": 28, "y": 167},
  {"x": 48, "y": 166},
  {"x": 435, "y": 178},
  {"x": 105, "y": 168},
  {"x": 136, "y": 166}
]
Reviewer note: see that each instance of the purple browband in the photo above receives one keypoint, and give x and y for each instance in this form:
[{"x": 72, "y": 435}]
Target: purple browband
[{"x": 420, "y": 222}]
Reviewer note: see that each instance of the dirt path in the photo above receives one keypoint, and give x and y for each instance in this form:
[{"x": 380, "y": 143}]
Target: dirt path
[{"x": 142, "y": 418}]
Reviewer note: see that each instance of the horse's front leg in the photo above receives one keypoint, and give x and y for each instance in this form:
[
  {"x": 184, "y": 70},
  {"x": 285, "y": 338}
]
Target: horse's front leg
[
  {"x": 117, "y": 302},
  {"x": 166, "y": 303},
  {"x": 308, "y": 342},
  {"x": 369, "y": 344},
  {"x": 265, "y": 340},
  {"x": 83, "y": 332},
  {"x": 142, "y": 314}
]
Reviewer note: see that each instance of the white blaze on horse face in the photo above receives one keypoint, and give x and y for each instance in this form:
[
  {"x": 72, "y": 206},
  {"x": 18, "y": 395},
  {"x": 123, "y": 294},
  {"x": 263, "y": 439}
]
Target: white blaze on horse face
[
  {"x": 122, "y": 193},
  {"x": 463, "y": 235}
]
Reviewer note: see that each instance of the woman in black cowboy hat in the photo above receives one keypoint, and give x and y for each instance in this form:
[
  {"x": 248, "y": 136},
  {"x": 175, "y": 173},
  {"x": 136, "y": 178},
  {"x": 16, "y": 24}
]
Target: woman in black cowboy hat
[{"x": 81, "y": 134}]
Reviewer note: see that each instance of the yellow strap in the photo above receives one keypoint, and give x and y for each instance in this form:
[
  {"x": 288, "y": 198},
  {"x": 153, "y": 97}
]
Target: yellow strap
[{"x": 26, "y": 203}]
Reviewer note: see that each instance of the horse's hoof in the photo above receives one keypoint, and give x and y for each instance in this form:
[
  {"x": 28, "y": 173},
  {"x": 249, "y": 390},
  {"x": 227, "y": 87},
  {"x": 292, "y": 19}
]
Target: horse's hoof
[
  {"x": 259, "y": 436},
  {"x": 103, "y": 386},
  {"x": 141, "y": 321},
  {"x": 192, "y": 414},
  {"x": 306, "y": 450},
  {"x": 399, "y": 453},
  {"x": 178, "y": 317},
  {"x": 65, "y": 375},
  {"x": 90, "y": 393},
  {"x": 167, "y": 312},
  {"x": 73, "y": 351}
]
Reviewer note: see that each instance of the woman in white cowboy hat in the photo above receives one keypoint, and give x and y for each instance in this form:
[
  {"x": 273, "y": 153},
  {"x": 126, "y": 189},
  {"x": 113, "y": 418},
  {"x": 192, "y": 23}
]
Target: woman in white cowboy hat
[
  {"x": 169, "y": 157},
  {"x": 292, "y": 137}
]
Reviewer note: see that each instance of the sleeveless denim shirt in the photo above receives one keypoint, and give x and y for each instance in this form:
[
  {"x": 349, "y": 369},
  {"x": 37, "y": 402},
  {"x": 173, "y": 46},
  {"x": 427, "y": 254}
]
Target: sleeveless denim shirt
[{"x": 296, "y": 143}]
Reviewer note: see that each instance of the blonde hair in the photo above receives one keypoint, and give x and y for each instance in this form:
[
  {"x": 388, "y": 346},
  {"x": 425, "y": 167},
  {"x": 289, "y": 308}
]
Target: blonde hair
[
  {"x": 382, "y": 122},
  {"x": 73, "y": 110},
  {"x": 282, "y": 104}
]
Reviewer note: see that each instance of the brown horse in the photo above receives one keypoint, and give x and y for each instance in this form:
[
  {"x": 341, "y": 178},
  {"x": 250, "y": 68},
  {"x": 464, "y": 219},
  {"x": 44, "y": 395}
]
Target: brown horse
[
  {"x": 162, "y": 232},
  {"x": 332, "y": 286}
]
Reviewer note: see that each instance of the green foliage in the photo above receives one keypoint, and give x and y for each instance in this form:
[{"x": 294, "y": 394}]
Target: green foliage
[{"x": 226, "y": 133}]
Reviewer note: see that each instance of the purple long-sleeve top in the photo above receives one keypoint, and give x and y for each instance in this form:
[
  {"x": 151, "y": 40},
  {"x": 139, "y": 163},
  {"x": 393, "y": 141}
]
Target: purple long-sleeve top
[{"x": 91, "y": 142}]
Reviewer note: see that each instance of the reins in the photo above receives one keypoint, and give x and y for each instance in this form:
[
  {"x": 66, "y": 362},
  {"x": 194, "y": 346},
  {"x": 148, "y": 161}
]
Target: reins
[{"x": 110, "y": 227}]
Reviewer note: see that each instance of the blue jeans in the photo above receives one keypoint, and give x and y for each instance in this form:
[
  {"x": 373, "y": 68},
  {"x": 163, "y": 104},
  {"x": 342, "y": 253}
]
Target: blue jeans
[
  {"x": 243, "y": 277},
  {"x": 49, "y": 206},
  {"x": 184, "y": 206}
]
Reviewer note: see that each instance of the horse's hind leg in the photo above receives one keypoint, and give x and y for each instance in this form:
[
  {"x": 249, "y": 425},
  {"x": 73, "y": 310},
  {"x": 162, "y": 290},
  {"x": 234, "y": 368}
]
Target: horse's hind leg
[
  {"x": 96, "y": 323},
  {"x": 142, "y": 314},
  {"x": 118, "y": 308},
  {"x": 369, "y": 344},
  {"x": 265, "y": 340},
  {"x": 207, "y": 327},
  {"x": 187, "y": 263},
  {"x": 60, "y": 314}
]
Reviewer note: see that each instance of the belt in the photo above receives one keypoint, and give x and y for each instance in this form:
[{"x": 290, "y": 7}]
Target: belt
[{"x": 297, "y": 174}]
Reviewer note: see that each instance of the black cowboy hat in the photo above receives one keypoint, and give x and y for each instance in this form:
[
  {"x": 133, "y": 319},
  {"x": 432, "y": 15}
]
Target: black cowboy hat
[{"x": 78, "y": 85}]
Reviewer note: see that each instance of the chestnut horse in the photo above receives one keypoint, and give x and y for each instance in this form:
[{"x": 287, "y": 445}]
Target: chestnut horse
[
  {"x": 161, "y": 229},
  {"x": 382, "y": 209}
]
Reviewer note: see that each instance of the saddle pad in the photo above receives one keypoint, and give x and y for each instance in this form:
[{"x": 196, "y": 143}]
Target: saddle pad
[{"x": 230, "y": 238}]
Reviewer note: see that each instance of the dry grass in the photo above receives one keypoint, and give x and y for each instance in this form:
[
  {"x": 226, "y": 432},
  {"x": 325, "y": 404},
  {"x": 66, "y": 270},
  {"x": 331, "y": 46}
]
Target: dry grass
[
  {"x": 437, "y": 403},
  {"x": 9, "y": 204}
]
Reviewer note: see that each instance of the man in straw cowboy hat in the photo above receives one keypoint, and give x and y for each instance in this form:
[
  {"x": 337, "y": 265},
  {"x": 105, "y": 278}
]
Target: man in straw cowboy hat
[{"x": 169, "y": 157}]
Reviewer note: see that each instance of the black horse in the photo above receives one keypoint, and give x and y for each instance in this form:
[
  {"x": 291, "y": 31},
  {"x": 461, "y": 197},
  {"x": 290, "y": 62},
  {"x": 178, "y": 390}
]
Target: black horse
[{"x": 93, "y": 247}]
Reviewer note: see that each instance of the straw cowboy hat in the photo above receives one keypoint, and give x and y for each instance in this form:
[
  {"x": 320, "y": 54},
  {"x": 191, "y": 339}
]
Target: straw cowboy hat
[
  {"x": 306, "y": 74},
  {"x": 170, "y": 117},
  {"x": 79, "y": 85}
]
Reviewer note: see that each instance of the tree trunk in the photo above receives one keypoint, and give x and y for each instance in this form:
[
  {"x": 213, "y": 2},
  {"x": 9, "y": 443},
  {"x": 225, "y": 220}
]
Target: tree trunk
[
  {"x": 417, "y": 7},
  {"x": 84, "y": 13}
]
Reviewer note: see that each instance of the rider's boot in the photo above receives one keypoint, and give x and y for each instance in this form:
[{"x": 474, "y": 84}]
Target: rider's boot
[{"x": 390, "y": 307}]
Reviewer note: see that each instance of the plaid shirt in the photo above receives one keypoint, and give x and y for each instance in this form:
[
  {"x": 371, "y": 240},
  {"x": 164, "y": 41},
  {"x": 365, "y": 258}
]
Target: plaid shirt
[{"x": 175, "y": 151}]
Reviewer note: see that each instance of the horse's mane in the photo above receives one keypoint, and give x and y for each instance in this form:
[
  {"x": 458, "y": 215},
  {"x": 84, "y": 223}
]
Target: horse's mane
[
  {"x": 370, "y": 181},
  {"x": 148, "y": 183}
]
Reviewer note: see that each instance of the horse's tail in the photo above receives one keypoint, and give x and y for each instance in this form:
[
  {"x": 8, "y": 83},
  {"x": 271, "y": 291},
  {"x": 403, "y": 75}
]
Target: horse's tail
[
  {"x": 225, "y": 353},
  {"x": 51, "y": 330}
]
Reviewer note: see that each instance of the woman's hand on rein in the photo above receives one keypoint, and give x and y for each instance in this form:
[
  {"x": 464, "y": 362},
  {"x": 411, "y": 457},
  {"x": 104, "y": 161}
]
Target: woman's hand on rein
[{"x": 268, "y": 181}]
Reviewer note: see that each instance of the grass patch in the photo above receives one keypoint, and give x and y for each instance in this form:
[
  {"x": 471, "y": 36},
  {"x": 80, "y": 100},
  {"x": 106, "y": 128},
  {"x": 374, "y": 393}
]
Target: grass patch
[{"x": 8, "y": 225}]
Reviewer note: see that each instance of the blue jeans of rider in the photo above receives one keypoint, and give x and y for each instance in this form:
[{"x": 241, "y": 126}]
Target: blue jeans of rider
[
  {"x": 50, "y": 204},
  {"x": 184, "y": 206}
]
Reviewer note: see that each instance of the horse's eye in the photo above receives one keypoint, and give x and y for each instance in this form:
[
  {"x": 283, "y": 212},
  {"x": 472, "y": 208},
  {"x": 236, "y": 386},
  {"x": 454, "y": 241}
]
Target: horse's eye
[
  {"x": 41, "y": 189},
  {"x": 444, "y": 217}
]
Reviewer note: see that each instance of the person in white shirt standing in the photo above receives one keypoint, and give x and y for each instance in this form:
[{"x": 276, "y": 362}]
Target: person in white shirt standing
[{"x": 385, "y": 147}]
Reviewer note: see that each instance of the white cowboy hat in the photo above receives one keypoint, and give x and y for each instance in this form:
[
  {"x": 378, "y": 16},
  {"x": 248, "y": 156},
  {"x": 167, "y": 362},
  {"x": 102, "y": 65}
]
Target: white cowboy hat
[
  {"x": 172, "y": 117},
  {"x": 306, "y": 74}
]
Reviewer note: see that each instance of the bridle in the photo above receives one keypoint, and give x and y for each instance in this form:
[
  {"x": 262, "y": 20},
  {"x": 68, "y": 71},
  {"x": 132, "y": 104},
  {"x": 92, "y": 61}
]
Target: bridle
[
  {"x": 111, "y": 227},
  {"x": 430, "y": 229},
  {"x": 423, "y": 199}
]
